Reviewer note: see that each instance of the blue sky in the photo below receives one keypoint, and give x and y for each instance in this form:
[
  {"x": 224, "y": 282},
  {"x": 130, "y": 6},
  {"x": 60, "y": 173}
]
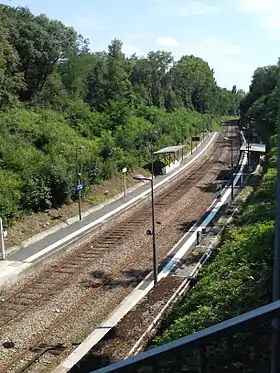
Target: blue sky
[{"x": 233, "y": 36}]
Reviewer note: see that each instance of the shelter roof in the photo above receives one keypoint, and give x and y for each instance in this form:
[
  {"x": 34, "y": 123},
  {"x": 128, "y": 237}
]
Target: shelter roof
[
  {"x": 258, "y": 148},
  {"x": 170, "y": 149}
]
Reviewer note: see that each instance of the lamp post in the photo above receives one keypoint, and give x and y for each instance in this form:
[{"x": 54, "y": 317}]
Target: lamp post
[
  {"x": 152, "y": 161},
  {"x": 231, "y": 165},
  {"x": 155, "y": 258},
  {"x": 79, "y": 180}
]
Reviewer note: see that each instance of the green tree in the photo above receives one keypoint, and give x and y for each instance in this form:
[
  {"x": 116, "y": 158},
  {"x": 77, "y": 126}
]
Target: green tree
[
  {"x": 40, "y": 44},
  {"x": 74, "y": 71},
  {"x": 11, "y": 80},
  {"x": 196, "y": 84},
  {"x": 109, "y": 79}
]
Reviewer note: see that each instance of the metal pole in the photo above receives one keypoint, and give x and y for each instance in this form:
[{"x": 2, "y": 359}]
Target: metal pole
[
  {"x": 155, "y": 259},
  {"x": 77, "y": 169},
  {"x": 248, "y": 148},
  {"x": 79, "y": 195},
  {"x": 182, "y": 138},
  {"x": 275, "y": 359},
  {"x": 231, "y": 156},
  {"x": 191, "y": 138},
  {"x": 152, "y": 161},
  {"x": 2, "y": 240},
  {"x": 78, "y": 183},
  {"x": 124, "y": 184}
]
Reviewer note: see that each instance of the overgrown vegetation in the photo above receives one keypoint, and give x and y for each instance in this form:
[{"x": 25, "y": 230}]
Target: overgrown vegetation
[
  {"x": 56, "y": 95},
  {"x": 240, "y": 276}
]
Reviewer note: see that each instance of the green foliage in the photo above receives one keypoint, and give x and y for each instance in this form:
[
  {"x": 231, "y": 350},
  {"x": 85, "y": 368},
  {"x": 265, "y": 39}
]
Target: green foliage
[
  {"x": 10, "y": 195},
  {"x": 57, "y": 95},
  {"x": 11, "y": 80},
  {"x": 82, "y": 119},
  {"x": 157, "y": 81},
  {"x": 40, "y": 43},
  {"x": 39, "y": 147},
  {"x": 242, "y": 263},
  {"x": 260, "y": 106},
  {"x": 73, "y": 72}
]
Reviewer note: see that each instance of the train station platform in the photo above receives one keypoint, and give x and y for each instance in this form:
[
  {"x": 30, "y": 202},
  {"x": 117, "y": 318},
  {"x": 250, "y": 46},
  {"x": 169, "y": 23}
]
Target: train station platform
[{"x": 42, "y": 246}]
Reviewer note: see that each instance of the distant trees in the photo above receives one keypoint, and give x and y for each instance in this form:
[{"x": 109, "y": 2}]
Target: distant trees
[
  {"x": 262, "y": 101},
  {"x": 157, "y": 81},
  {"x": 41, "y": 59},
  {"x": 56, "y": 94}
]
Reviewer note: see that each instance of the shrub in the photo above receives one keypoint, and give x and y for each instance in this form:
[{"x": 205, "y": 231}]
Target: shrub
[{"x": 10, "y": 195}]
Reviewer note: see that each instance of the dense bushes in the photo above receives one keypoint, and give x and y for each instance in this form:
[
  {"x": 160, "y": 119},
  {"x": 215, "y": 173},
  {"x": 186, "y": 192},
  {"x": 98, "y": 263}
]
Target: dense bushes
[
  {"x": 38, "y": 149},
  {"x": 10, "y": 194}
]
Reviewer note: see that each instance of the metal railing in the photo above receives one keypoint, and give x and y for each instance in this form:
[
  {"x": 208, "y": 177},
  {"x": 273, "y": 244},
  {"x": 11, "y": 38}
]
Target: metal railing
[{"x": 214, "y": 349}]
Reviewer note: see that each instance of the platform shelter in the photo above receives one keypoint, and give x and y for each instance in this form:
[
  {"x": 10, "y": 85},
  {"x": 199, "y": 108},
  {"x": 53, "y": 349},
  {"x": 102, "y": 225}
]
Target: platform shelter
[
  {"x": 171, "y": 157},
  {"x": 254, "y": 148}
]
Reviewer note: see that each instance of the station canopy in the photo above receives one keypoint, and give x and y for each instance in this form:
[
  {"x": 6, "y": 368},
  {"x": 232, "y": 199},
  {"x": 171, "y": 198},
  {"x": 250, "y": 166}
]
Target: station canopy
[
  {"x": 257, "y": 148},
  {"x": 170, "y": 149}
]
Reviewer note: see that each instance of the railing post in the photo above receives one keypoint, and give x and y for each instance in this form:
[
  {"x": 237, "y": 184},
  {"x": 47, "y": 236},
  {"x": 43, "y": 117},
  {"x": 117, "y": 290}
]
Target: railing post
[{"x": 275, "y": 359}]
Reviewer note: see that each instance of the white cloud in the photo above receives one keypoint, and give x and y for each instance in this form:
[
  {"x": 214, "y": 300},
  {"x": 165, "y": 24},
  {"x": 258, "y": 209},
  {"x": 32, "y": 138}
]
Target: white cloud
[
  {"x": 261, "y": 6},
  {"x": 168, "y": 41},
  {"x": 213, "y": 46},
  {"x": 130, "y": 49},
  {"x": 219, "y": 46},
  {"x": 190, "y": 8},
  {"x": 85, "y": 24},
  {"x": 267, "y": 13},
  {"x": 136, "y": 36}
]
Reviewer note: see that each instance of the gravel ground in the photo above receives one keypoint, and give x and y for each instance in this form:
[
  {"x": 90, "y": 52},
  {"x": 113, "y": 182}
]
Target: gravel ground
[
  {"x": 97, "y": 305},
  {"x": 118, "y": 342}
]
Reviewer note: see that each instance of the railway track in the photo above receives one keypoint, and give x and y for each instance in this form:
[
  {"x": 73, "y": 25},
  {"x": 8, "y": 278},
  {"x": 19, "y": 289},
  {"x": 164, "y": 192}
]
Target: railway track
[
  {"x": 44, "y": 287},
  {"x": 51, "y": 281}
]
